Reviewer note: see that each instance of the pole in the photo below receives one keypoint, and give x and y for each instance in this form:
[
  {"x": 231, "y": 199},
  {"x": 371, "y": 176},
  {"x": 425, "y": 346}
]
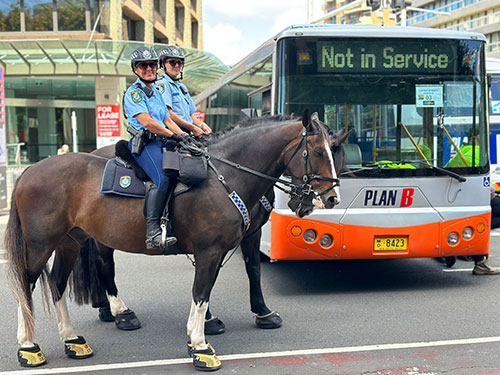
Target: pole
[{"x": 73, "y": 128}]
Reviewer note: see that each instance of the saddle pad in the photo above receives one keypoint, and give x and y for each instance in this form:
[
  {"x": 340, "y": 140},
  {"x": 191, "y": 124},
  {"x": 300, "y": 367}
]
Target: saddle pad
[{"x": 122, "y": 181}]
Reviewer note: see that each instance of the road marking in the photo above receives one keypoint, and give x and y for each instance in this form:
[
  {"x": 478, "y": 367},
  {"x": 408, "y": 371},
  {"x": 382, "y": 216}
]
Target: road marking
[
  {"x": 495, "y": 234},
  {"x": 178, "y": 361},
  {"x": 457, "y": 270}
]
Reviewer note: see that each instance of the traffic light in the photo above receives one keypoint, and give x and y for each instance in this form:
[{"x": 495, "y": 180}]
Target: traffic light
[{"x": 374, "y": 4}]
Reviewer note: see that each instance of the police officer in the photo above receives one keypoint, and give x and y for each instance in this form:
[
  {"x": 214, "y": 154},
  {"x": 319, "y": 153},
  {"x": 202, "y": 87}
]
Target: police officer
[
  {"x": 176, "y": 95},
  {"x": 150, "y": 120}
]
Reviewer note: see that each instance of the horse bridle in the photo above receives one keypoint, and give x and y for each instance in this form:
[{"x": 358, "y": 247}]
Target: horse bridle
[{"x": 296, "y": 190}]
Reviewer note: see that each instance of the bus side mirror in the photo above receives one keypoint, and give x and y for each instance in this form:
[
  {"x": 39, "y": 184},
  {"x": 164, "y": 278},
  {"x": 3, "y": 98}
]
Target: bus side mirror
[{"x": 247, "y": 114}]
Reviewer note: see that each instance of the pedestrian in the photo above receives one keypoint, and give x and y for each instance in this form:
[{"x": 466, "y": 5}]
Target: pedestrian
[
  {"x": 64, "y": 149},
  {"x": 175, "y": 93},
  {"x": 152, "y": 129}
]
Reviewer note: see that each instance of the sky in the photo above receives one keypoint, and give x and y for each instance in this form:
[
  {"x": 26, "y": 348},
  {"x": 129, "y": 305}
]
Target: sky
[{"x": 234, "y": 28}]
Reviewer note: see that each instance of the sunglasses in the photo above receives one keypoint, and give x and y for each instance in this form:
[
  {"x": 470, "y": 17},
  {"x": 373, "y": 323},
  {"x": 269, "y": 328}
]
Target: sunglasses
[
  {"x": 145, "y": 65},
  {"x": 173, "y": 63}
]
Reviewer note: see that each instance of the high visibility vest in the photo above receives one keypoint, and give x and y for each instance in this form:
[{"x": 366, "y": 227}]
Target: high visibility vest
[{"x": 467, "y": 153}]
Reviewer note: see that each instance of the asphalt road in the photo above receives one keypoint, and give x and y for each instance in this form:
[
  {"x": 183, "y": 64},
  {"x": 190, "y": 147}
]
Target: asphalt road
[{"x": 340, "y": 317}]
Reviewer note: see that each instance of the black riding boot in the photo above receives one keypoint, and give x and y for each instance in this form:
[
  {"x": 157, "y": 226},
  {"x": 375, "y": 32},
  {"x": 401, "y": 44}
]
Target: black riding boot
[{"x": 155, "y": 203}]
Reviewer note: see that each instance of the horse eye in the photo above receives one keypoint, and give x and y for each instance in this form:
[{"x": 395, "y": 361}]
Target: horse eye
[{"x": 318, "y": 152}]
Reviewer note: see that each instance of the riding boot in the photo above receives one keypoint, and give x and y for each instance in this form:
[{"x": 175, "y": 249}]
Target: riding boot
[{"x": 154, "y": 205}]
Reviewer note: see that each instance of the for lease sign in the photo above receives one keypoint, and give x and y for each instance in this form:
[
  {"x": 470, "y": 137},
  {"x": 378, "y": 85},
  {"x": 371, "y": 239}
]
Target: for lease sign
[{"x": 108, "y": 120}]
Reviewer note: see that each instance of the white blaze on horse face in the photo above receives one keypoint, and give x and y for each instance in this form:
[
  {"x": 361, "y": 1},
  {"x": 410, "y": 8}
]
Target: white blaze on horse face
[
  {"x": 63, "y": 322},
  {"x": 196, "y": 325},
  {"x": 334, "y": 173},
  {"x": 116, "y": 305}
]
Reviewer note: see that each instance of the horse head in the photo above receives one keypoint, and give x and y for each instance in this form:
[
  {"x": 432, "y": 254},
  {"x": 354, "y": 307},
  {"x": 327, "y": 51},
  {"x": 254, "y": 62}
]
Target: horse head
[{"x": 316, "y": 169}]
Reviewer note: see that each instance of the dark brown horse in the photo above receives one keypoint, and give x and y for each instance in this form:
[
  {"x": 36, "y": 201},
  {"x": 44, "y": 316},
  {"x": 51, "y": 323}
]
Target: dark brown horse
[
  {"x": 93, "y": 278},
  {"x": 56, "y": 205}
]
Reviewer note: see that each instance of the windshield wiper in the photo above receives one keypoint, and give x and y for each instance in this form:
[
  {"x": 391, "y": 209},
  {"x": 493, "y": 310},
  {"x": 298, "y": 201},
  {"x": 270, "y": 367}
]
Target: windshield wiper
[{"x": 439, "y": 169}]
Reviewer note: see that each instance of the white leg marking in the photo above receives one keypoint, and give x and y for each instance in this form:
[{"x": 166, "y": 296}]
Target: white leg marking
[
  {"x": 197, "y": 335},
  {"x": 22, "y": 337},
  {"x": 116, "y": 304},
  {"x": 334, "y": 173},
  {"x": 63, "y": 322},
  {"x": 190, "y": 323}
]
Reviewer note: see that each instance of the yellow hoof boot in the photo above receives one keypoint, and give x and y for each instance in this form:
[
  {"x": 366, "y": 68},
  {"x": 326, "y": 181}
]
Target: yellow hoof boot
[
  {"x": 31, "y": 357},
  {"x": 206, "y": 360},
  {"x": 77, "y": 348},
  {"x": 191, "y": 348}
]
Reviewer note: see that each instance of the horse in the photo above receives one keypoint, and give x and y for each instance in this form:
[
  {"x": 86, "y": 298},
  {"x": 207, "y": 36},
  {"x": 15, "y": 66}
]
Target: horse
[
  {"x": 37, "y": 226},
  {"x": 93, "y": 276}
]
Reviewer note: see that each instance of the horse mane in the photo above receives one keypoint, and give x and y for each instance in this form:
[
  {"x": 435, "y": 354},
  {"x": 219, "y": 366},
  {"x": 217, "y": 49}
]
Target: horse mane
[{"x": 246, "y": 125}]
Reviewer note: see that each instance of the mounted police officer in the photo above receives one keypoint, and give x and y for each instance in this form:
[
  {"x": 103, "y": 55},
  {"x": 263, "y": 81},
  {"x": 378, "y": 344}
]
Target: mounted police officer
[
  {"x": 152, "y": 129},
  {"x": 176, "y": 95}
]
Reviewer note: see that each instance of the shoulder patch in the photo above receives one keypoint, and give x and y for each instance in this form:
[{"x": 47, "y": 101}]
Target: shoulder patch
[
  {"x": 161, "y": 88},
  {"x": 136, "y": 96}
]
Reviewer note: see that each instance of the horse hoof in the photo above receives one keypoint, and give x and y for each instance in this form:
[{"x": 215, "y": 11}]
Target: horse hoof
[
  {"x": 105, "y": 314},
  {"x": 206, "y": 360},
  {"x": 214, "y": 326},
  {"x": 78, "y": 348},
  {"x": 127, "y": 321},
  {"x": 191, "y": 349},
  {"x": 31, "y": 357},
  {"x": 269, "y": 321}
]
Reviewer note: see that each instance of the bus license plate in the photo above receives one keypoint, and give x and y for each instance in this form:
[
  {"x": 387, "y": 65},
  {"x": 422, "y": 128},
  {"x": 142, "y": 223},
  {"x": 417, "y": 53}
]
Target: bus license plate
[{"x": 390, "y": 243}]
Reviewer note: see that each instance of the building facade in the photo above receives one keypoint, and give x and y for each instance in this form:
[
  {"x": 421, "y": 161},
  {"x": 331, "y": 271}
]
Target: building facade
[{"x": 66, "y": 62}]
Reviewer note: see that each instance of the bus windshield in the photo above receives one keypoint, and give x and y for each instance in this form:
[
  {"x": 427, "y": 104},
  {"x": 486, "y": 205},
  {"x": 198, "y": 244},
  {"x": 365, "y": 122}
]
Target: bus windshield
[{"x": 410, "y": 104}]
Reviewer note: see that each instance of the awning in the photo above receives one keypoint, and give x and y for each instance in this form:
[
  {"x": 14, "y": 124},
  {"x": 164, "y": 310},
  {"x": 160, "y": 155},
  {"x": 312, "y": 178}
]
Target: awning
[{"x": 67, "y": 57}]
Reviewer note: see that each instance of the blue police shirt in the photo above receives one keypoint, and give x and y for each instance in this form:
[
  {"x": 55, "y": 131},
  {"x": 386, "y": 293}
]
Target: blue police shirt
[
  {"x": 136, "y": 101},
  {"x": 176, "y": 96}
]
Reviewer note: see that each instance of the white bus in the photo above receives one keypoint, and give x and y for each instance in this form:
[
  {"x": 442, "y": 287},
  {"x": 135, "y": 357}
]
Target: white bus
[{"x": 411, "y": 97}]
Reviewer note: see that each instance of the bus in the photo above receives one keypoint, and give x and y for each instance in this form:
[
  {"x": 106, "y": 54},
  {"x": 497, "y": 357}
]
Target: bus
[
  {"x": 412, "y": 98},
  {"x": 493, "y": 71}
]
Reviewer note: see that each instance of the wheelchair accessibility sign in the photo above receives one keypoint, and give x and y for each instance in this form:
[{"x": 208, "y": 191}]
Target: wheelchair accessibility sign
[{"x": 486, "y": 182}]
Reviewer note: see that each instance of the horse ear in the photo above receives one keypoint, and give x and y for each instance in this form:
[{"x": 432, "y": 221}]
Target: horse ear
[
  {"x": 306, "y": 119},
  {"x": 340, "y": 137}
]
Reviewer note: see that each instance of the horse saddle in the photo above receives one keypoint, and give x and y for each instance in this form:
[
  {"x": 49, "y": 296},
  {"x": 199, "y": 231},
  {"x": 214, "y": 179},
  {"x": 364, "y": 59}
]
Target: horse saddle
[{"x": 123, "y": 176}]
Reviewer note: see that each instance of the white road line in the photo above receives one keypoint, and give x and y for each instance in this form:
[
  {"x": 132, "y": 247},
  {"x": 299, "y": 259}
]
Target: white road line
[
  {"x": 178, "y": 361},
  {"x": 457, "y": 269},
  {"x": 495, "y": 234},
  {"x": 3, "y": 261}
]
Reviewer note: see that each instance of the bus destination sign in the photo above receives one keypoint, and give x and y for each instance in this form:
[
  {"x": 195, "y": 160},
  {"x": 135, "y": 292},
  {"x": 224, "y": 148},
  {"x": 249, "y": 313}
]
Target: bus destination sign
[{"x": 377, "y": 56}]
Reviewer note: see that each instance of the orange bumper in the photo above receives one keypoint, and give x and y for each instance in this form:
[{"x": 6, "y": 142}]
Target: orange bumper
[{"x": 357, "y": 242}]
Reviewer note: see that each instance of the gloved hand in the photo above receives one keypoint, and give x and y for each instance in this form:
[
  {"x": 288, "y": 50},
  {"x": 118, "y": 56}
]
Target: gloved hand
[{"x": 183, "y": 137}]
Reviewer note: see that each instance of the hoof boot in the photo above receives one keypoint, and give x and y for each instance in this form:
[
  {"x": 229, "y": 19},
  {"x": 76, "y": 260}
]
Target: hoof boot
[
  {"x": 214, "y": 326},
  {"x": 206, "y": 360},
  {"x": 31, "y": 357},
  {"x": 191, "y": 349},
  {"x": 269, "y": 321},
  {"x": 127, "y": 321},
  {"x": 105, "y": 314},
  {"x": 77, "y": 348}
]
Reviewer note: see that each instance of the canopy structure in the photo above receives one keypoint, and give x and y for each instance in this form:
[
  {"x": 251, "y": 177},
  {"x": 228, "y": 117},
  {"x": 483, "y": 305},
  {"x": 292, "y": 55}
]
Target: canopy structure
[{"x": 68, "y": 57}]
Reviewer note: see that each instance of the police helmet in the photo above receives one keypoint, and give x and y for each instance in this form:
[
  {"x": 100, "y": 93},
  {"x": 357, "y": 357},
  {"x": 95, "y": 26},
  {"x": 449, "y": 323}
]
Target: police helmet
[
  {"x": 170, "y": 52},
  {"x": 143, "y": 54}
]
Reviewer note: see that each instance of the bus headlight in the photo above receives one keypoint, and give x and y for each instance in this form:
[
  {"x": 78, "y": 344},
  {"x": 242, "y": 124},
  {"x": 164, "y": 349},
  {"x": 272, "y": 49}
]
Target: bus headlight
[
  {"x": 310, "y": 235},
  {"x": 453, "y": 238},
  {"x": 467, "y": 233},
  {"x": 326, "y": 240}
]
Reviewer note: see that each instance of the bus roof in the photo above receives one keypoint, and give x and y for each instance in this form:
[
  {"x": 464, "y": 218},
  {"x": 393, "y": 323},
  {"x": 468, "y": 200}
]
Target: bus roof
[
  {"x": 375, "y": 31},
  {"x": 356, "y": 31}
]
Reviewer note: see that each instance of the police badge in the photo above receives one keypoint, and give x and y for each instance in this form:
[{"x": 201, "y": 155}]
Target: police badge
[
  {"x": 136, "y": 96},
  {"x": 125, "y": 181},
  {"x": 161, "y": 88}
]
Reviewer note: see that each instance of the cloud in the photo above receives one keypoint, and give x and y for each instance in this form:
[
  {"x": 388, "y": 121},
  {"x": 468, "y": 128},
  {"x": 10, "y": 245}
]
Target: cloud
[
  {"x": 224, "y": 41},
  {"x": 254, "y": 8}
]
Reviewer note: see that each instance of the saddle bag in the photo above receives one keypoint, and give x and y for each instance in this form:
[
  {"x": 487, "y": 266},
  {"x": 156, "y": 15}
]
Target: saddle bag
[{"x": 191, "y": 166}]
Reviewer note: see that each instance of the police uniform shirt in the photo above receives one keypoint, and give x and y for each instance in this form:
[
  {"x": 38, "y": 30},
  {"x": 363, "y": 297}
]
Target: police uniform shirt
[
  {"x": 136, "y": 101},
  {"x": 177, "y": 97}
]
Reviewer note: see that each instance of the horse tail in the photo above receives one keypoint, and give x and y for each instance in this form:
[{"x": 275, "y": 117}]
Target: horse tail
[
  {"x": 86, "y": 279},
  {"x": 15, "y": 245}
]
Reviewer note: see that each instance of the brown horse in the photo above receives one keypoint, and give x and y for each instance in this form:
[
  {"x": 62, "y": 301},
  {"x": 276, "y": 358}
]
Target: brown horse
[{"x": 56, "y": 205}]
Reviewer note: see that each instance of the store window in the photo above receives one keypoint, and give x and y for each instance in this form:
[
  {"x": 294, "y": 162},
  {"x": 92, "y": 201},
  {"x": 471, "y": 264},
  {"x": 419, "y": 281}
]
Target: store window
[
  {"x": 38, "y": 15},
  {"x": 10, "y": 15},
  {"x": 71, "y": 14}
]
